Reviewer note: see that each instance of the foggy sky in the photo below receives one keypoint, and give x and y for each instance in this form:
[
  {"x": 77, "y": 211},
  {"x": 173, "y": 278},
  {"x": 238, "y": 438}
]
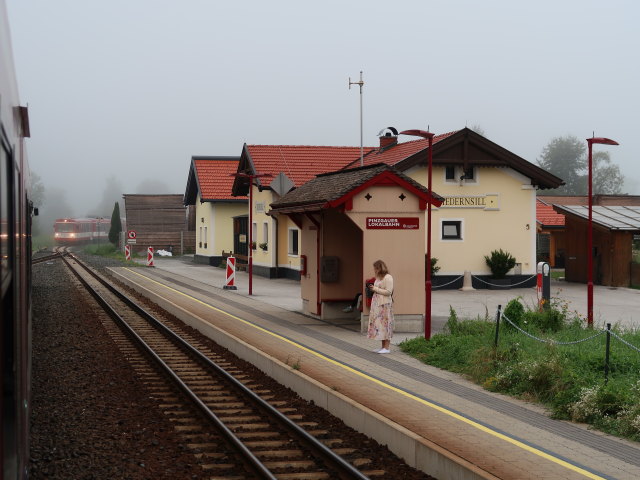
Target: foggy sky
[{"x": 135, "y": 88}]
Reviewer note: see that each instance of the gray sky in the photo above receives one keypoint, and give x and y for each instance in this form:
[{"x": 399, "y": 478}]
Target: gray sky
[{"x": 134, "y": 88}]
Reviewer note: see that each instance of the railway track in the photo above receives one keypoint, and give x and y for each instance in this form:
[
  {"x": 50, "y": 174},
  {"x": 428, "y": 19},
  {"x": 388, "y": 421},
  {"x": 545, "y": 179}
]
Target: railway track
[
  {"x": 235, "y": 427},
  {"x": 58, "y": 252}
]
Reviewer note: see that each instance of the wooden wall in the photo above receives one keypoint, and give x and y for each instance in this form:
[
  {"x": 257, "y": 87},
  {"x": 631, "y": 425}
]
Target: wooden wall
[
  {"x": 160, "y": 221},
  {"x": 611, "y": 263}
]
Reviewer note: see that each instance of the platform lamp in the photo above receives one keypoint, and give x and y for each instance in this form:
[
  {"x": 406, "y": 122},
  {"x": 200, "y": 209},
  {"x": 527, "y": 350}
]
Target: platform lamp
[
  {"x": 251, "y": 177},
  {"x": 427, "y": 287},
  {"x": 590, "y": 142}
]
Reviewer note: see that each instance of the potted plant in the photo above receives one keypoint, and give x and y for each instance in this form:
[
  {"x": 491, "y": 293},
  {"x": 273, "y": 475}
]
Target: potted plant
[
  {"x": 500, "y": 262},
  {"x": 253, "y": 245},
  {"x": 263, "y": 246}
]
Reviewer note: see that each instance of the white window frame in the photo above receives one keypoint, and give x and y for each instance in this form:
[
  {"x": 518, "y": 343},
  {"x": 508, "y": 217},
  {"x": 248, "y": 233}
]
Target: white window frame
[
  {"x": 290, "y": 242},
  {"x": 449, "y": 220}
]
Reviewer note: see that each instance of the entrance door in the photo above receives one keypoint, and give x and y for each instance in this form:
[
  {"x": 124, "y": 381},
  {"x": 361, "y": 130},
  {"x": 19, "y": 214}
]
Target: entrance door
[{"x": 241, "y": 237}]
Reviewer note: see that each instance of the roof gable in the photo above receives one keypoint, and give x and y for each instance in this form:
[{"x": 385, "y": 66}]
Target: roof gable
[
  {"x": 300, "y": 163},
  {"x": 212, "y": 178},
  {"x": 462, "y": 147},
  {"x": 336, "y": 189}
]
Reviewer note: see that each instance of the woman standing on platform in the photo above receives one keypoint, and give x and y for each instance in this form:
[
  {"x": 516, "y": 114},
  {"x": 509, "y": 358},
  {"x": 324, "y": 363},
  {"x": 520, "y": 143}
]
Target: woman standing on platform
[{"x": 381, "y": 312}]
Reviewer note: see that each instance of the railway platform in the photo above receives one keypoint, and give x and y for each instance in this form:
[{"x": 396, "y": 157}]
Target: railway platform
[{"x": 435, "y": 420}]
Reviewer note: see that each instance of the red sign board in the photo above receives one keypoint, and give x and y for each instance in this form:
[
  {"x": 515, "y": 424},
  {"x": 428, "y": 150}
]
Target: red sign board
[
  {"x": 393, "y": 223},
  {"x": 131, "y": 234}
]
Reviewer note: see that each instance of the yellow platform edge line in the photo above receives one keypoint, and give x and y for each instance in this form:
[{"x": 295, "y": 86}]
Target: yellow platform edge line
[{"x": 443, "y": 410}]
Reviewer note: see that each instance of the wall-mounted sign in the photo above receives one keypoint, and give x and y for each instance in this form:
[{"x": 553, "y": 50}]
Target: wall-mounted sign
[
  {"x": 242, "y": 238},
  {"x": 393, "y": 223},
  {"x": 488, "y": 201}
]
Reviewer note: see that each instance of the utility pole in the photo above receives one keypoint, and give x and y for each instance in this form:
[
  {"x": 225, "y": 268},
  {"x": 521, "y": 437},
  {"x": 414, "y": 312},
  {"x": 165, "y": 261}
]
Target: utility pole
[{"x": 361, "y": 83}]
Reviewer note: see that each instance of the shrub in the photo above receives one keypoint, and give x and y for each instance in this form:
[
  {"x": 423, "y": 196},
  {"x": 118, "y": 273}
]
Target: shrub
[
  {"x": 500, "y": 262},
  {"x": 514, "y": 311}
]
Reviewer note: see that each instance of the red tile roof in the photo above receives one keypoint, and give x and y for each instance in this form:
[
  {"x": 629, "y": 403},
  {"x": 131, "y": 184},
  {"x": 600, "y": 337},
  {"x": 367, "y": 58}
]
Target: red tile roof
[
  {"x": 301, "y": 163},
  {"x": 547, "y": 216},
  {"x": 215, "y": 178},
  {"x": 398, "y": 152}
]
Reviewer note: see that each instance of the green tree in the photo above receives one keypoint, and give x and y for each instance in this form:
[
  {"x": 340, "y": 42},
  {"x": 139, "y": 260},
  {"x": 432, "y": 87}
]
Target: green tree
[
  {"x": 566, "y": 157},
  {"x": 607, "y": 178},
  {"x": 116, "y": 224}
]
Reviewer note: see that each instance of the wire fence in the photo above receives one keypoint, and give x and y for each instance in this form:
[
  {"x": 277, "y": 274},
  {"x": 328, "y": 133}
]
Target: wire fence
[
  {"x": 511, "y": 285},
  {"x": 607, "y": 331},
  {"x": 448, "y": 283}
]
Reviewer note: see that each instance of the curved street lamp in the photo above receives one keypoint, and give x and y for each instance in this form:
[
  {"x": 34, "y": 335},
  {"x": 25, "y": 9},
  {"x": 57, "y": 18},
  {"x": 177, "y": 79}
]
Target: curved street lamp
[
  {"x": 427, "y": 285},
  {"x": 590, "y": 142}
]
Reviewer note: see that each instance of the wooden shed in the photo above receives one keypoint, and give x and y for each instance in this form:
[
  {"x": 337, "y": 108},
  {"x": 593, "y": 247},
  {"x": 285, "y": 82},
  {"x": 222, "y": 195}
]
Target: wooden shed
[
  {"x": 160, "y": 221},
  {"x": 613, "y": 230}
]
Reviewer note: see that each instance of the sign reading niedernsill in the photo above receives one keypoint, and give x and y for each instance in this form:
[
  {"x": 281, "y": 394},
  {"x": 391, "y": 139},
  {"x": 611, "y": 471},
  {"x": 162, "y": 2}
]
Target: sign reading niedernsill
[{"x": 393, "y": 223}]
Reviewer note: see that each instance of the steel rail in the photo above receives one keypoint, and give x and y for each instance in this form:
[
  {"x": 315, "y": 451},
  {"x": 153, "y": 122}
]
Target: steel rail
[
  {"x": 256, "y": 465},
  {"x": 344, "y": 469}
]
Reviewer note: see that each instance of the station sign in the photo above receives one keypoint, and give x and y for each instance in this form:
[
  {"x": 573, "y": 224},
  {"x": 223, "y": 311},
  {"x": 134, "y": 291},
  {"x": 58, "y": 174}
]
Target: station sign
[{"x": 393, "y": 223}]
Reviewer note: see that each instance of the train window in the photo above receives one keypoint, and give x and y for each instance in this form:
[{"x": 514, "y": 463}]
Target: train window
[{"x": 5, "y": 219}]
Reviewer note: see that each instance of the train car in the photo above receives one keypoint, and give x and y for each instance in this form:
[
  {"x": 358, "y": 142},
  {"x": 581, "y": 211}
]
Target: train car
[
  {"x": 75, "y": 231},
  {"x": 15, "y": 268}
]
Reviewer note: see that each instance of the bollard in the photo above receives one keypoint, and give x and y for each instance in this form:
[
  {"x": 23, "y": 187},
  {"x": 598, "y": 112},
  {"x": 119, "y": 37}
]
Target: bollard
[
  {"x": 231, "y": 274},
  {"x": 127, "y": 252},
  {"x": 606, "y": 354},
  {"x": 150, "y": 257},
  {"x": 467, "y": 284},
  {"x": 543, "y": 284}
]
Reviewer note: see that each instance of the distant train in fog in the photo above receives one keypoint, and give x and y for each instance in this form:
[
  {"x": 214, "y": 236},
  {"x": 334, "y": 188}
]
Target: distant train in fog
[
  {"x": 16, "y": 210},
  {"x": 71, "y": 231}
]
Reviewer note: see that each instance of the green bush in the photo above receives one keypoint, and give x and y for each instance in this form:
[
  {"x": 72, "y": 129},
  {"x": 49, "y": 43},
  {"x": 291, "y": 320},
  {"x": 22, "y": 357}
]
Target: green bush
[
  {"x": 499, "y": 262},
  {"x": 514, "y": 311},
  {"x": 567, "y": 379}
]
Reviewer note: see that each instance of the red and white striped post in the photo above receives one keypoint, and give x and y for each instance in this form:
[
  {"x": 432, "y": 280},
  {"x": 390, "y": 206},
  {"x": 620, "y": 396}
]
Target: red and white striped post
[
  {"x": 150, "y": 257},
  {"x": 231, "y": 274},
  {"x": 127, "y": 252}
]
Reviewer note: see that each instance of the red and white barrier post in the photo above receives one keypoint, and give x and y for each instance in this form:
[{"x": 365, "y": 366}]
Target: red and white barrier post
[
  {"x": 231, "y": 274},
  {"x": 127, "y": 252},
  {"x": 150, "y": 257}
]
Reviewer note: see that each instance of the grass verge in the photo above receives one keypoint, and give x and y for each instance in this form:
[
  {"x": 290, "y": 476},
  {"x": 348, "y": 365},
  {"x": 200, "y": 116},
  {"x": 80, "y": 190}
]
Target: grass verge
[{"x": 567, "y": 379}]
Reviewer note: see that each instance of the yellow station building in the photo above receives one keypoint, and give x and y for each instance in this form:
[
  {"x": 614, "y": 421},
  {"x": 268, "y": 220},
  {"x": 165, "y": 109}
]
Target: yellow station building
[{"x": 489, "y": 200}]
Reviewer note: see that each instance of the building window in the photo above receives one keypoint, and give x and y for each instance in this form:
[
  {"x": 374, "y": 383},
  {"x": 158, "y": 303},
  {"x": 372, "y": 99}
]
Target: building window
[
  {"x": 469, "y": 173},
  {"x": 254, "y": 234},
  {"x": 265, "y": 233},
  {"x": 450, "y": 172},
  {"x": 205, "y": 237},
  {"x": 451, "y": 229},
  {"x": 293, "y": 241}
]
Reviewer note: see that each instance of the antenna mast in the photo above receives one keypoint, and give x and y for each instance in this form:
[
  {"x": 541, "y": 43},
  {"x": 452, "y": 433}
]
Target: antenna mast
[{"x": 361, "y": 83}]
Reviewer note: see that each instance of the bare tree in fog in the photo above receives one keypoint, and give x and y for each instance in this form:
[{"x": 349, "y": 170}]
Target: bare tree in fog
[
  {"x": 152, "y": 187},
  {"x": 112, "y": 193},
  {"x": 37, "y": 197},
  {"x": 53, "y": 207}
]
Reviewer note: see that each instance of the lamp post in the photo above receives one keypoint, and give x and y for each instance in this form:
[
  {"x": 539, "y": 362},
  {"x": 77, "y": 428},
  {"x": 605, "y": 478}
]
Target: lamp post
[
  {"x": 251, "y": 177},
  {"x": 590, "y": 142},
  {"x": 427, "y": 287}
]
